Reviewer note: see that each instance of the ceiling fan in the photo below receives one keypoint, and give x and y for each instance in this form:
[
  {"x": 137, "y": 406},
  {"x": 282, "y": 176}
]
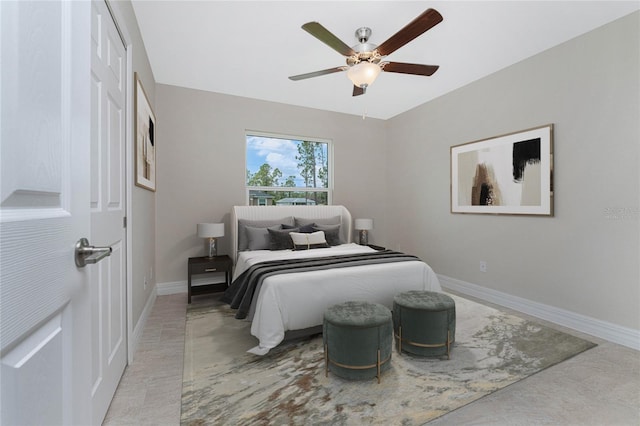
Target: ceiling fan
[{"x": 364, "y": 59}]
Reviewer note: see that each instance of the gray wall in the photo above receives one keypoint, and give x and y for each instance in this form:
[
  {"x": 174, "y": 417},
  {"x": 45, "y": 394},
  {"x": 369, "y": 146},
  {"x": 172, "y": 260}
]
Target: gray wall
[
  {"x": 142, "y": 224},
  {"x": 582, "y": 259},
  {"x": 201, "y": 164}
]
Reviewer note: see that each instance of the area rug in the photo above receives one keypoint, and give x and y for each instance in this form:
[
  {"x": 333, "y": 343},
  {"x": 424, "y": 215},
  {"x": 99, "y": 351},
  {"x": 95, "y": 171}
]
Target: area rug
[{"x": 223, "y": 384}]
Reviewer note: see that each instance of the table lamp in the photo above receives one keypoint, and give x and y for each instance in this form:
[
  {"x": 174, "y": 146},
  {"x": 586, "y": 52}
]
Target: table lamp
[
  {"x": 364, "y": 225},
  {"x": 211, "y": 231}
]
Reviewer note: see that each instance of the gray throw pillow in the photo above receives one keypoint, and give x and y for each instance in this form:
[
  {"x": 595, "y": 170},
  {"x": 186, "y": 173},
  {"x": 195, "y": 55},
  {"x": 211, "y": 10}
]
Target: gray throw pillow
[
  {"x": 243, "y": 240},
  {"x": 335, "y": 220},
  {"x": 259, "y": 237},
  {"x": 280, "y": 238},
  {"x": 331, "y": 233},
  {"x": 305, "y": 229}
]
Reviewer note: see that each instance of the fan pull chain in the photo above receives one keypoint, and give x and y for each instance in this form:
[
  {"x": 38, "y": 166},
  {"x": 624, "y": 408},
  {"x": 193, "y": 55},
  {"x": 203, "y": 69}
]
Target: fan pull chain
[{"x": 364, "y": 108}]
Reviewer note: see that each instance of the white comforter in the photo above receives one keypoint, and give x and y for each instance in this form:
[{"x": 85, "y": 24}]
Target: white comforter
[{"x": 298, "y": 300}]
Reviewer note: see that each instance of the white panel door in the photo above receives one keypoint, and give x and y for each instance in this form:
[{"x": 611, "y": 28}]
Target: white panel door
[
  {"x": 108, "y": 278},
  {"x": 45, "y": 318}
]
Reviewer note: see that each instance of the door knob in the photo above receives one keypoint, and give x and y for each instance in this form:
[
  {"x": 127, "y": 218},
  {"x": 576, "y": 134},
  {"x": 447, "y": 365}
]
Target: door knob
[{"x": 86, "y": 253}]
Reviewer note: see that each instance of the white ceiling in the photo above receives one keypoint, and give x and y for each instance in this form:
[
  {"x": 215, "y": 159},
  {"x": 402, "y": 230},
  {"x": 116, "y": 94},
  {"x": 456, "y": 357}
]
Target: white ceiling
[{"x": 249, "y": 49}]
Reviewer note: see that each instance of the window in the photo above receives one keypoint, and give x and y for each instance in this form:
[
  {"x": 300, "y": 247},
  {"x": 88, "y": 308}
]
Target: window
[{"x": 284, "y": 170}]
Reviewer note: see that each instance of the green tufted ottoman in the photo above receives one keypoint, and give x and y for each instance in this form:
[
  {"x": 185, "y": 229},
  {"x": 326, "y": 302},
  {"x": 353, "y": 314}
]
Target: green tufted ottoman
[
  {"x": 357, "y": 340},
  {"x": 424, "y": 323}
]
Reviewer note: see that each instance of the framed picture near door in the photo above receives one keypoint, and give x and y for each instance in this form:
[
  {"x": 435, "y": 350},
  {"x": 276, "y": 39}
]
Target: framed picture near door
[{"x": 145, "y": 139}]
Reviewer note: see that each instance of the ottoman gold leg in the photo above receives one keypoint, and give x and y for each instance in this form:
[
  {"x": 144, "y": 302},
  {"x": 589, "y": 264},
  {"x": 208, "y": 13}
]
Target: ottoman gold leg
[{"x": 326, "y": 361}]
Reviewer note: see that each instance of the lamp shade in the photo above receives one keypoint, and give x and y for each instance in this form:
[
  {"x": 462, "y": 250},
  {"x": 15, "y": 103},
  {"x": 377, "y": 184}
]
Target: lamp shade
[
  {"x": 363, "y": 74},
  {"x": 364, "y": 224},
  {"x": 210, "y": 230}
]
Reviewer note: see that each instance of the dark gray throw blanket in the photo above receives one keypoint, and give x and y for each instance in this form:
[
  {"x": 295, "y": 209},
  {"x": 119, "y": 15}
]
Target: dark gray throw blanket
[{"x": 241, "y": 292}]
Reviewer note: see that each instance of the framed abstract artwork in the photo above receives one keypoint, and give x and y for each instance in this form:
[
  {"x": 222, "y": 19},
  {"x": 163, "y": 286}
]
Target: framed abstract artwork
[
  {"x": 145, "y": 124},
  {"x": 508, "y": 174}
]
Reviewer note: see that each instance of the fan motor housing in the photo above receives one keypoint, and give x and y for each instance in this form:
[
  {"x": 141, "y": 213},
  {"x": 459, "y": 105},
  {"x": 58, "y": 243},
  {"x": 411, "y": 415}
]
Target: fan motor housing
[{"x": 365, "y": 50}]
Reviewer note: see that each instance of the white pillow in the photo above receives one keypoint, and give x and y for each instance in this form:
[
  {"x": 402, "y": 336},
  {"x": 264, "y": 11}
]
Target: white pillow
[{"x": 305, "y": 241}]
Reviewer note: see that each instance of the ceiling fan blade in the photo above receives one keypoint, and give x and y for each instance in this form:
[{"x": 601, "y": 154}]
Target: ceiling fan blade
[
  {"x": 428, "y": 19},
  {"x": 325, "y": 36},
  {"x": 415, "y": 69},
  {"x": 357, "y": 91},
  {"x": 316, "y": 73}
]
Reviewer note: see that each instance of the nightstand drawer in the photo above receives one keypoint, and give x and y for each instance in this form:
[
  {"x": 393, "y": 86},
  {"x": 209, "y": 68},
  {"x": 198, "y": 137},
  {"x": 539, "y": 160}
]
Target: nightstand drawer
[
  {"x": 205, "y": 268},
  {"x": 203, "y": 265}
]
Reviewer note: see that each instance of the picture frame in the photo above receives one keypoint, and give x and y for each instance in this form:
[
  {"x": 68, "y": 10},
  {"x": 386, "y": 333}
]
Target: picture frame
[
  {"x": 508, "y": 174},
  {"x": 145, "y": 146}
]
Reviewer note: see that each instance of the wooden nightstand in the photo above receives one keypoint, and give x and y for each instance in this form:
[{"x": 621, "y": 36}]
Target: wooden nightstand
[{"x": 206, "y": 265}]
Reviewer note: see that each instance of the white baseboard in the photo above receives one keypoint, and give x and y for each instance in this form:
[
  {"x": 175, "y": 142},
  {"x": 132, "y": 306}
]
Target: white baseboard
[
  {"x": 605, "y": 330},
  {"x": 139, "y": 328},
  {"x": 174, "y": 287}
]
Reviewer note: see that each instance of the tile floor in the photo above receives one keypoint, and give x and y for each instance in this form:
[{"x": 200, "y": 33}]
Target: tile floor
[
  {"x": 150, "y": 390},
  {"x": 598, "y": 387}
]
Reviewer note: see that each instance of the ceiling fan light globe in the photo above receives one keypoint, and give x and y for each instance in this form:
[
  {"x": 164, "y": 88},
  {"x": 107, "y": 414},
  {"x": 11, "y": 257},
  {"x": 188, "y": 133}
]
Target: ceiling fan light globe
[{"x": 363, "y": 74}]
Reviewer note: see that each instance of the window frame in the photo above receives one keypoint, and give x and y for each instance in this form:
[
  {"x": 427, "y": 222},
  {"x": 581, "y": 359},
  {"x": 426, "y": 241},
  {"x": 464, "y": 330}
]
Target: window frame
[{"x": 330, "y": 166}]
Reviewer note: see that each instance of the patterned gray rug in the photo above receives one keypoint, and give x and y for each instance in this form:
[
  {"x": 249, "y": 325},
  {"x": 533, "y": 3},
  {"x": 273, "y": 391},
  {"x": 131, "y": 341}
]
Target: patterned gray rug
[{"x": 222, "y": 384}]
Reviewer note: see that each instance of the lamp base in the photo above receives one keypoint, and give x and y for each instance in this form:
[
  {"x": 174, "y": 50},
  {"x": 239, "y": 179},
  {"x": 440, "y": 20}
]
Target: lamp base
[
  {"x": 212, "y": 248},
  {"x": 363, "y": 236}
]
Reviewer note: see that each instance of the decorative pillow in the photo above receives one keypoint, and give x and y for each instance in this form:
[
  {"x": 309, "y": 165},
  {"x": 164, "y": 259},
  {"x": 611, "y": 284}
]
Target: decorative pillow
[
  {"x": 336, "y": 220},
  {"x": 279, "y": 239},
  {"x": 331, "y": 232},
  {"x": 305, "y": 229},
  {"x": 243, "y": 240},
  {"x": 306, "y": 241},
  {"x": 258, "y": 238}
]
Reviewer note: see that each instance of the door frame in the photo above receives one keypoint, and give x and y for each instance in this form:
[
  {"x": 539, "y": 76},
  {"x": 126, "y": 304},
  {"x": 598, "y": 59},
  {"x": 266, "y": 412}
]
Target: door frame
[{"x": 121, "y": 26}]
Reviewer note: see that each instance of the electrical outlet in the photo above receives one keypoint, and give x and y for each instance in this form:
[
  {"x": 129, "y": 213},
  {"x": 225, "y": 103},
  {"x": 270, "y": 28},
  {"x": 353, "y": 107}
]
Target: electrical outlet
[{"x": 483, "y": 266}]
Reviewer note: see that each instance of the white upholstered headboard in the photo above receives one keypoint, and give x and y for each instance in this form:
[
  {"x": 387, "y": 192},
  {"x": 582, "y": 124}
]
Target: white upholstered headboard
[{"x": 277, "y": 212}]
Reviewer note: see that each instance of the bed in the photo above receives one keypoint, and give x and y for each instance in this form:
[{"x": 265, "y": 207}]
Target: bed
[{"x": 293, "y": 291}]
